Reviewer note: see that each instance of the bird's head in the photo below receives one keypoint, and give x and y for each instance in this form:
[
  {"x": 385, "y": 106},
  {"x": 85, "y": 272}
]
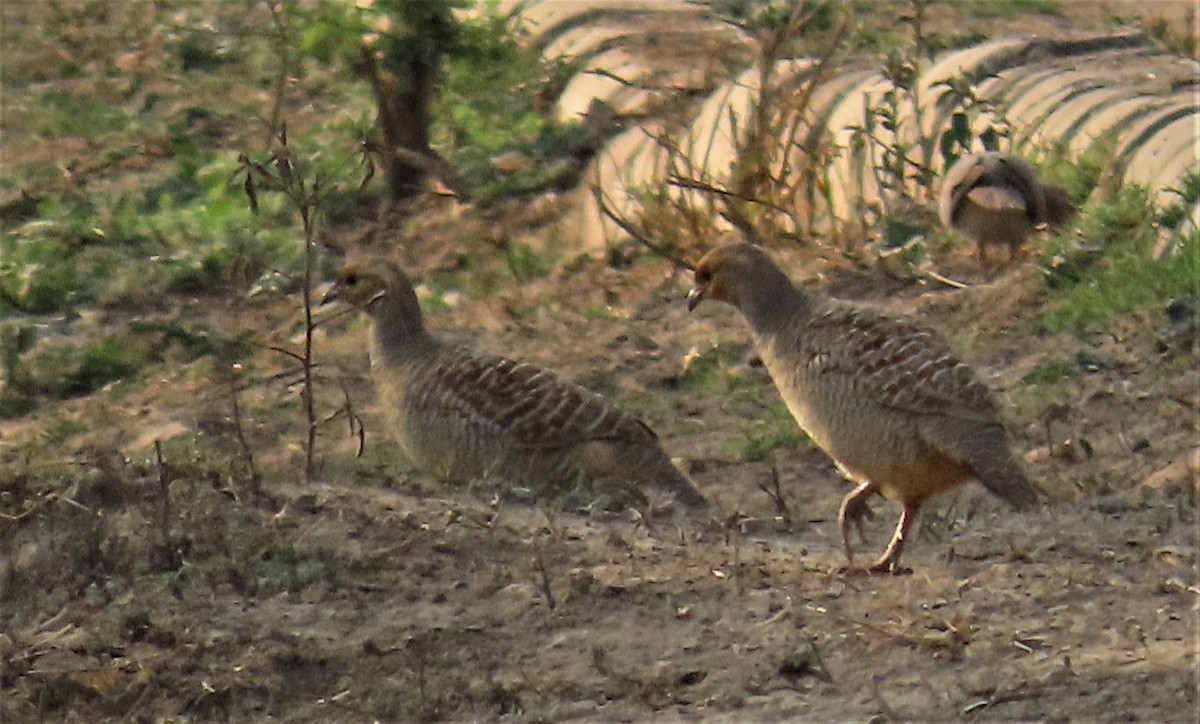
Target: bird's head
[
  {"x": 358, "y": 284},
  {"x": 724, "y": 273},
  {"x": 374, "y": 285},
  {"x": 1059, "y": 207}
]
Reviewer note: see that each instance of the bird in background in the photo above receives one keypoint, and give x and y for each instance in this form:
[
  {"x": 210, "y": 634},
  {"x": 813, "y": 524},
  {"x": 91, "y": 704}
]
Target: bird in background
[
  {"x": 885, "y": 398},
  {"x": 464, "y": 415},
  {"x": 996, "y": 200}
]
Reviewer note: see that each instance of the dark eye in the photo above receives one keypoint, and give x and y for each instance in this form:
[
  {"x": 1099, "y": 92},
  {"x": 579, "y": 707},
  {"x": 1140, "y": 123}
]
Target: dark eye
[
  {"x": 703, "y": 276},
  {"x": 350, "y": 279}
]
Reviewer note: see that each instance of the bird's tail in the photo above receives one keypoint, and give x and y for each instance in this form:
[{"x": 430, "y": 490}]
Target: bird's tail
[
  {"x": 986, "y": 450},
  {"x": 1005, "y": 478},
  {"x": 645, "y": 466},
  {"x": 673, "y": 480},
  {"x": 1059, "y": 208}
]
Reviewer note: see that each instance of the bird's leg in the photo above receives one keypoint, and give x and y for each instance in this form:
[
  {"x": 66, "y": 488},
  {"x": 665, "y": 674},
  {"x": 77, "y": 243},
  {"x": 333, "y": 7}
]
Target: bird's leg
[
  {"x": 854, "y": 508},
  {"x": 859, "y": 512},
  {"x": 889, "y": 561}
]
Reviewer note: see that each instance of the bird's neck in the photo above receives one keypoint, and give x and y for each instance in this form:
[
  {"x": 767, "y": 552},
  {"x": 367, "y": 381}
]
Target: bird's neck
[
  {"x": 772, "y": 302},
  {"x": 398, "y": 331}
]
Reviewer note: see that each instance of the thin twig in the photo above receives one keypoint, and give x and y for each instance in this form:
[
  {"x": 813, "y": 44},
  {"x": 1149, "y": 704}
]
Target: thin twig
[
  {"x": 239, "y": 429},
  {"x": 687, "y": 183},
  {"x": 876, "y": 140},
  {"x": 164, "y": 492},
  {"x": 776, "y": 494},
  {"x": 307, "y": 213},
  {"x": 356, "y": 423},
  {"x": 637, "y": 233},
  {"x": 299, "y": 358},
  {"x": 945, "y": 280},
  {"x": 539, "y": 565},
  {"x": 602, "y": 73}
]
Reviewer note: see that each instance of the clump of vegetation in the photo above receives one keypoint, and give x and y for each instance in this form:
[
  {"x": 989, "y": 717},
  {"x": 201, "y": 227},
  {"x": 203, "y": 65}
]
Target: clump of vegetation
[
  {"x": 89, "y": 237},
  {"x": 63, "y": 370},
  {"x": 1079, "y": 174},
  {"x": 773, "y": 429},
  {"x": 1050, "y": 371},
  {"x": 1113, "y": 271},
  {"x": 1181, "y": 38},
  {"x": 781, "y": 187},
  {"x": 720, "y": 371},
  {"x": 451, "y": 94},
  {"x": 709, "y": 371},
  {"x": 1188, "y": 193},
  {"x": 74, "y": 241},
  {"x": 1013, "y": 8},
  {"x": 498, "y": 97},
  {"x": 60, "y": 368}
]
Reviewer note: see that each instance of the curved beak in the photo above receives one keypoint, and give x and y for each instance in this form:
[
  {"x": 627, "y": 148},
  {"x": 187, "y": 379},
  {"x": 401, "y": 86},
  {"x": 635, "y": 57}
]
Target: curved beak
[{"x": 694, "y": 297}]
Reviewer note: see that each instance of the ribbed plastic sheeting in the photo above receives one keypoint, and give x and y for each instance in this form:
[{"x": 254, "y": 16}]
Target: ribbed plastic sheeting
[{"x": 1071, "y": 92}]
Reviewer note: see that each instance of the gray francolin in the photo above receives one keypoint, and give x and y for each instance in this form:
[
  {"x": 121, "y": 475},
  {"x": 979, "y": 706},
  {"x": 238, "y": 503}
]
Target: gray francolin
[
  {"x": 885, "y": 398},
  {"x": 995, "y": 199},
  {"x": 464, "y": 415}
]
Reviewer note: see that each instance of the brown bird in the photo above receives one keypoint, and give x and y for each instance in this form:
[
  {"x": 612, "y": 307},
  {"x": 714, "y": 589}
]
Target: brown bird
[
  {"x": 996, "y": 200},
  {"x": 465, "y": 415},
  {"x": 885, "y": 398}
]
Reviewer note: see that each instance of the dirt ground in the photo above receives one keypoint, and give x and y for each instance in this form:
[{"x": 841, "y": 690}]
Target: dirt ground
[
  {"x": 179, "y": 589},
  {"x": 381, "y": 594}
]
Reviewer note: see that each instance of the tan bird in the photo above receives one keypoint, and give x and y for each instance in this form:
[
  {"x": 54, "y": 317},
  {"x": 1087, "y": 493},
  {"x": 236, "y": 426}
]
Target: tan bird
[
  {"x": 885, "y": 398},
  {"x": 465, "y": 415},
  {"x": 995, "y": 199}
]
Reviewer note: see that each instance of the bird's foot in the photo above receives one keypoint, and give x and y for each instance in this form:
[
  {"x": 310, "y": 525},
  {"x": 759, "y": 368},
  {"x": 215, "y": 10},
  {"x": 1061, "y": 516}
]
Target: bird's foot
[
  {"x": 878, "y": 569},
  {"x": 856, "y": 512},
  {"x": 889, "y": 566},
  {"x": 850, "y": 571},
  {"x": 854, "y": 508}
]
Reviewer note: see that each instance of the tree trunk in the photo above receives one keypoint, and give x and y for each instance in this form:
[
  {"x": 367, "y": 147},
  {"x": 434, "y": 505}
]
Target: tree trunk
[{"x": 403, "y": 123}]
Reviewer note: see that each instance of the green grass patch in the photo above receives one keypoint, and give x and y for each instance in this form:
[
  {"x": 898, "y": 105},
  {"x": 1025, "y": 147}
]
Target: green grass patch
[
  {"x": 1050, "y": 371},
  {"x": 485, "y": 276},
  {"x": 61, "y": 369},
  {"x": 1013, "y": 8},
  {"x": 525, "y": 263},
  {"x": 494, "y": 99},
  {"x": 1058, "y": 369},
  {"x": 719, "y": 372},
  {"x": 1189, "y": 193},
  {"x": 711, "y": 371},
  {"x": 774, "y": 430},
  {"x": 382, "y": 464},
  {"x": 1078, "y": 174},
  {"x": 1112, "y": 272},
  {"x": 61, "y": 114},
  {"x": 132, "y": 249},
  {"x": 59, "y": 430},
  {"x": 1130, "y": 281}
]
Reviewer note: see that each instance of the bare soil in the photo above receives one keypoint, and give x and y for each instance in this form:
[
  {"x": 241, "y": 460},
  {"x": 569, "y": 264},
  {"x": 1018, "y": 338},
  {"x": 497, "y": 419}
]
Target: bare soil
[{"x": 380, "y": 593}]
